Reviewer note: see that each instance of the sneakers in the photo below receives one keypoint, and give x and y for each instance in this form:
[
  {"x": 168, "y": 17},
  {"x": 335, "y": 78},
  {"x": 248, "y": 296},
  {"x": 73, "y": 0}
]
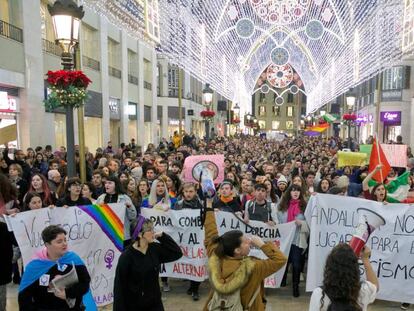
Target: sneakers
[
  {"x": 404, "y": 306},
  {"x": 165, "y": 287}
]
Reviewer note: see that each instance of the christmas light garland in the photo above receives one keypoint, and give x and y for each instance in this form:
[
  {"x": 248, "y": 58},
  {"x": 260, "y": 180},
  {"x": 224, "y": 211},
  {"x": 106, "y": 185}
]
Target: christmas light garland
[{"x": 331, "y": 44}]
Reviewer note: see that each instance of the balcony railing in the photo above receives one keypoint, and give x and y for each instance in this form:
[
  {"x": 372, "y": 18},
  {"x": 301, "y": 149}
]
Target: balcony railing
[
  {"x": 147, "y": 85},
  {"x": 132, "y": 79},
  {"x": 115, "y": 72},
  {"x": 91, "y": 63},
  {"x": 12, "y": 32},
  {"x": 51, "y": 47}
]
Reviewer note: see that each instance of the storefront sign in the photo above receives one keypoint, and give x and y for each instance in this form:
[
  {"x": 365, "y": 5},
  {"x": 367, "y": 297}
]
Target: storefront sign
[
  {"x": 391, "y": 96},
  {"x": 7, "y": 104},
  {"x": 365, "y": 118},
  {"x": 391, "y": 117},
  {"x": 114, "y": 109}
]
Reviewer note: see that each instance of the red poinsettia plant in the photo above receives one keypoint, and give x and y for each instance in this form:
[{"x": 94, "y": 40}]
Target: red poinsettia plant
[
  {"x": 65, "y": 78},
  {"x": 235, "y": 121},
  {"x": 349, "y": 117},
  {"x": 67, "y": 88},
  {"x": 207, "y": 114}
]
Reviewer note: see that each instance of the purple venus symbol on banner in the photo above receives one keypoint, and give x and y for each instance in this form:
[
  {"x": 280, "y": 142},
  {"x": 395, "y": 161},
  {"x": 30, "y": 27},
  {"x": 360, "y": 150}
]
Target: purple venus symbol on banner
[{"x": 109, "y": 258}]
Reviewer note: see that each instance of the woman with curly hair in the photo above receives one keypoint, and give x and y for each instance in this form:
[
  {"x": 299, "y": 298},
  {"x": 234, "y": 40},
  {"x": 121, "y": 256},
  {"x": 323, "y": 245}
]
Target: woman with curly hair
[{"x": 342, "y": 288}]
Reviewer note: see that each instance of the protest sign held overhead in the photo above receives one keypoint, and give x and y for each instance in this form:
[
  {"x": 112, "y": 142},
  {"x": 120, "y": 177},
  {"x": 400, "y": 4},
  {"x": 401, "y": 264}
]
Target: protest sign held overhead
[{"x": 195, "y": 165}]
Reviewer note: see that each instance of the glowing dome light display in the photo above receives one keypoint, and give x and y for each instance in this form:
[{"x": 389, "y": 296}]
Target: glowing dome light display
[{"x": 331, "y": 44}]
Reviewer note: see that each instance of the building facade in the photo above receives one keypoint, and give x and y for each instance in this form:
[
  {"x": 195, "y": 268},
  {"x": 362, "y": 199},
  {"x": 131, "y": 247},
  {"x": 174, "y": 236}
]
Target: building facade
[{"x": 132, "y": 87}]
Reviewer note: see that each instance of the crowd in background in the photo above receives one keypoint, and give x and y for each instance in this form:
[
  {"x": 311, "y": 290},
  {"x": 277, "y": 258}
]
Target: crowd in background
[{"x": 265, "y": 180}]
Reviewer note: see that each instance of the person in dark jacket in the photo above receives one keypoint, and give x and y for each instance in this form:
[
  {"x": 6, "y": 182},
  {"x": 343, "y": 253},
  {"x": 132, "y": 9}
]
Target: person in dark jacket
[
  {"x": 136, "y": 286},
  {"x": 73, "y": 196},
  {"x": 36, "y": 291},
  {"x": 19, "y": 158},
  {"x": 6, "y": 267},
  {"x": 226, "y": 201},
  {"x": 190, "y": 200}
]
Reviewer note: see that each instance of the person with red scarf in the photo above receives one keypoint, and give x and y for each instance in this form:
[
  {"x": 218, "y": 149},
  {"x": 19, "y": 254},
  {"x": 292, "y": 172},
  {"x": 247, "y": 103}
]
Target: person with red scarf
[{"x": 291, "y": 208}]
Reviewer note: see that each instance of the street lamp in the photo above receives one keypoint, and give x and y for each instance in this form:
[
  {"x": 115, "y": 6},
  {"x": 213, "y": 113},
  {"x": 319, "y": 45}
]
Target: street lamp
[
  {"x": 208, "y": 94},
  {"x": 350, "y": 102},
  {"x": 67, "y": 16},
  {"x": 208, "y": 98},
  {"x": 236, "y": 109}
]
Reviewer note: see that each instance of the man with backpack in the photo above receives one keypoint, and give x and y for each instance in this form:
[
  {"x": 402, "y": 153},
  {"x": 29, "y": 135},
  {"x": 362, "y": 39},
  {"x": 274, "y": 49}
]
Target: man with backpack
[
  {"x": 237, "y": 280},
  {"x": 259, "y": 208}
]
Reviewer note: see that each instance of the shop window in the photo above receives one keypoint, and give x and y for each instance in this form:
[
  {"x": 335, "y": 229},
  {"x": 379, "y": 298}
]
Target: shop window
[
  {"x": 289, "y": 111},
  {"x": 262, "y": 124},
  {"x": 393, "y": 78},
  {"x": 262, "y": 111}
]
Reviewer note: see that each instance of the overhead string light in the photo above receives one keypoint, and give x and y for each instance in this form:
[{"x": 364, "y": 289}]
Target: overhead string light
[{"x": 316, "y": 38}]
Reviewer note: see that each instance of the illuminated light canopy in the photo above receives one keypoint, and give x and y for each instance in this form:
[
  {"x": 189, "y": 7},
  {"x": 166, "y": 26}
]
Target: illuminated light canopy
[{"x": 319, "y": 37}]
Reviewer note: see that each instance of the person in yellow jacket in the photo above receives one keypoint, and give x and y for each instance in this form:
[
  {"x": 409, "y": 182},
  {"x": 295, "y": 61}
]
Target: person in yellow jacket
[
  {"x": 176, "y": 140},
  {"x": 231, "y": 268}
]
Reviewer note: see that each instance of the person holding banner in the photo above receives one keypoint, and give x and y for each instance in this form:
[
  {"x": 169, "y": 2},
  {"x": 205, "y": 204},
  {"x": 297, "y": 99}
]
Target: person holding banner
[
  {"x": 73, "y": 196},
  {"x": 37, "y": 291},
  {"x": 342, "y": 288},
  {"x": 291, "y": 208},
  {"x": 114, "y": 193},
  {"x": 136, "y": 284},
  {"x": 232, "y": 270},
  {"x": 226, "y": 201},
  {"x": 158, "y": 197},
  {"x": 190, "y": 200}
]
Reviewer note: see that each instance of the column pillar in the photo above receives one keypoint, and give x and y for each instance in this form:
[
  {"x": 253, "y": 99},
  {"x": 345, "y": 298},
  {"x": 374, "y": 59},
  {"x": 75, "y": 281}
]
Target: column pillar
[
  {"x": 37, "y": 125},
  {"x": 140, "y": 108},
  {"x": 124, "y": 80},
  {"x": 154, "y": 134},
  {"x": 103, "y": 32}
]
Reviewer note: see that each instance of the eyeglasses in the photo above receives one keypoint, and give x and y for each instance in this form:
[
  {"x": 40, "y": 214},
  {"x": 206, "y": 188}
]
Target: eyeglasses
[{"x": 76, "y": 185}]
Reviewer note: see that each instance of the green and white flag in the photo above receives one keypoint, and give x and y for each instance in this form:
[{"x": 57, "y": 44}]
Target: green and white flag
[
  {"x": 397, "y": 190},
  {"x": 330, "y": 118}
]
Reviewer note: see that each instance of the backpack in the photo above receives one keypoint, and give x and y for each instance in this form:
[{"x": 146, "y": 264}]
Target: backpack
[
  {"x": 230, "y": 302},
  {"x": 268, "y": 207}
]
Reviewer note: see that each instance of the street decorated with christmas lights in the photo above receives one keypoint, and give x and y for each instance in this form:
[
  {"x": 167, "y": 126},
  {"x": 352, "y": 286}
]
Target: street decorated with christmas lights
[{"x": 215, "y": 155}]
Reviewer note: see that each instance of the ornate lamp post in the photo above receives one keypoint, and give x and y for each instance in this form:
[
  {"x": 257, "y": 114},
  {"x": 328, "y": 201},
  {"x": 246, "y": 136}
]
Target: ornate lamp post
[
  {"x": 350, "y": 102},
  {"x": 67, "y": 16},
  {"x": 208, "y": 98}
]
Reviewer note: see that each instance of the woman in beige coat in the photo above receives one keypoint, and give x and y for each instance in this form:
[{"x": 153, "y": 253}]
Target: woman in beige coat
[{"x": 232, "y": 269}]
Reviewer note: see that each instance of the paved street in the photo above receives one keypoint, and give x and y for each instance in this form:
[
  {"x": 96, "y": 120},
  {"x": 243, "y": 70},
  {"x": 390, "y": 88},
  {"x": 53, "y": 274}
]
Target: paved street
[{"x": 177, "y": 300}]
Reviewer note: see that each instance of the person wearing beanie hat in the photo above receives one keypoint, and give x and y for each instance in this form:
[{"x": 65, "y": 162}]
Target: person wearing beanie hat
[
  {"x": 225, "y": 200},
  {"x": 141, "y": 261},
  {"x": 282, "y": 184}
]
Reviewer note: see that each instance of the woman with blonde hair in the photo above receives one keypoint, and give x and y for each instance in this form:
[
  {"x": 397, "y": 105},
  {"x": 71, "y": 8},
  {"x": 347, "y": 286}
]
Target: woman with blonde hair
[{"x": 158, "y": 197}]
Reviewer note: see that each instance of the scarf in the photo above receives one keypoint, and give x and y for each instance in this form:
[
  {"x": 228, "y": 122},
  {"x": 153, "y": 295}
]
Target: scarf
[
  {"x": 41, "y": 264},
  {"x": 226, "y": 199},
  {"x": 293, "y": 210}
]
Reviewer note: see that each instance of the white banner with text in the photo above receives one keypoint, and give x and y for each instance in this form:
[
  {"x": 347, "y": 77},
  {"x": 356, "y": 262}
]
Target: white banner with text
[{"x": 333, "y": 219}]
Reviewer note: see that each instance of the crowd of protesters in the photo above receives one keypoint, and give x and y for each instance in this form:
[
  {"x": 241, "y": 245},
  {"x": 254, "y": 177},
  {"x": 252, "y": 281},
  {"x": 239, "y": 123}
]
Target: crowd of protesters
[{"x": 265, "y": 180}]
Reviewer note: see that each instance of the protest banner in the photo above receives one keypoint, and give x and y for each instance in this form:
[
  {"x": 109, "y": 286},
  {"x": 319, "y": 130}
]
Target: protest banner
[
  {"x": 184, "y": 226},
  {"x": 194, "y": 165},
  {"x": 351, "y": 158},
  {"x": 395, "y": 154},
  {"x": 333, "y": 219},
  {"x": 94, "y": 232}
]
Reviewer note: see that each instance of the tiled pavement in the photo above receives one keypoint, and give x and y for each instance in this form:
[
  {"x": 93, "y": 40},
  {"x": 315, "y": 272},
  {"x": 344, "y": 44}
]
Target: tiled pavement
[{"x": 178, "y": 300}]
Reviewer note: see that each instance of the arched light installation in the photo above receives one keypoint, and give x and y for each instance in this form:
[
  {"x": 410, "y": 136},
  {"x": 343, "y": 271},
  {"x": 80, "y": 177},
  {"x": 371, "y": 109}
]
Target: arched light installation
[{"x": 317, "y": 38}]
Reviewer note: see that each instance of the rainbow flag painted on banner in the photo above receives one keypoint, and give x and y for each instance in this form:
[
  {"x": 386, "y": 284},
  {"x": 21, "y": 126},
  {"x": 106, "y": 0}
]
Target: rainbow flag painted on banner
[
  {"x": 316, "y": 130},
  {"x": 109, "y": 222}
]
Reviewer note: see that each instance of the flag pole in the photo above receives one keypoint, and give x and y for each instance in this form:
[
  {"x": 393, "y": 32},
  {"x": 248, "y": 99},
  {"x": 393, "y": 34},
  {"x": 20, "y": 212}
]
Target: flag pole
[{"x": 379, "y": 156}]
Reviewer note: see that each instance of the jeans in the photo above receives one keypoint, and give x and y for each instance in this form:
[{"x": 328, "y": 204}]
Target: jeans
[{"x": 296, "y": 259}]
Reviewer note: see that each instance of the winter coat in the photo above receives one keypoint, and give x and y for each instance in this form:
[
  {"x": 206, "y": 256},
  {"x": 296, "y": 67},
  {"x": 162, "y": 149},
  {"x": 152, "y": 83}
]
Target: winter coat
[{"x": 247, "y": 273}]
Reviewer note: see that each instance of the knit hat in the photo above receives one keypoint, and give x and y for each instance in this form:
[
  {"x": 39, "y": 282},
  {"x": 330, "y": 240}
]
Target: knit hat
[
  {"x": 282, "y": 180},
  {"x": 136, "y": 173}
]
